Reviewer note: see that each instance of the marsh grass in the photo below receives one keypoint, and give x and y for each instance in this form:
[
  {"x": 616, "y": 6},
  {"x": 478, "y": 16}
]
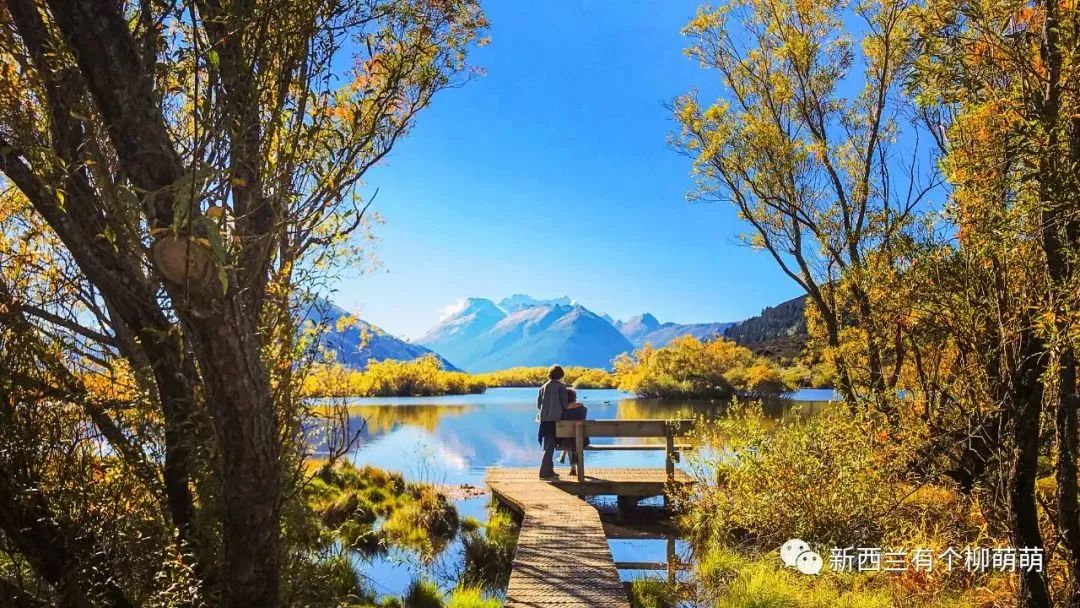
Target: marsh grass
[
  {"x": 471, "y": 597},
  {"x": 651, "y": 592},
  {"x": 489, "y": 550},
  {"x": 369, "y": 510},
  {"x": 424, "y": 593}
]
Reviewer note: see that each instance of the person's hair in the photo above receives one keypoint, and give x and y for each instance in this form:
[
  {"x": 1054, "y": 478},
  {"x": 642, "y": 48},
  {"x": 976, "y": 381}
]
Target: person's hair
[
  {"x": 556, "y": 373},
  {"x": 571, "y": 395}
]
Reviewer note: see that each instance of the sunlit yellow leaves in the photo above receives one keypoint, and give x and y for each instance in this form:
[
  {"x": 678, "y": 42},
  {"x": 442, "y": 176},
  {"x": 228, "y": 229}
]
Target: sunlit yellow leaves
[
  {"x": 690, "y": 368},
  {"x": 422, "y": 377},
  {"x": 114, "y": 384},
  {"x": 215, "y": 212}
]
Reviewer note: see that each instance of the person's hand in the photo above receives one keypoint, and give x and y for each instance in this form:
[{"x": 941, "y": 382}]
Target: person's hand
[{"x": 573, "y": 406}]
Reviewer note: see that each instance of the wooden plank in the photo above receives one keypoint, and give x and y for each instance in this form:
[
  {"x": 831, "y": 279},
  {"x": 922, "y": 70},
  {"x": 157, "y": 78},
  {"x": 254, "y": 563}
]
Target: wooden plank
[
  {"x": 639, "y": 482},
  {"x": 650, "y": 566},
  {"x": 624, "y": 428}
]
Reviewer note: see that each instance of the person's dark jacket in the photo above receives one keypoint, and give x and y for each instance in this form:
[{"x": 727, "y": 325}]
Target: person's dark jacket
[{"x": 551, "y": 401}]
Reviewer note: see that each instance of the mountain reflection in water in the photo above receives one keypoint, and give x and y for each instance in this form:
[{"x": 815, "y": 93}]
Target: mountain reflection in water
[{"x": 453, "y": 439}]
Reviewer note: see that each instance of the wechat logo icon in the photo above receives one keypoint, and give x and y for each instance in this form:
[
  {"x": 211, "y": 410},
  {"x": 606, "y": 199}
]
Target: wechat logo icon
[{"x": 795, "y": 553}]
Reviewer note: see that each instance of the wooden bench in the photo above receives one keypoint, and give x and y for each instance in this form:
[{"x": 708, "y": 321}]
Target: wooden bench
[{"x": 665, "y": 429}]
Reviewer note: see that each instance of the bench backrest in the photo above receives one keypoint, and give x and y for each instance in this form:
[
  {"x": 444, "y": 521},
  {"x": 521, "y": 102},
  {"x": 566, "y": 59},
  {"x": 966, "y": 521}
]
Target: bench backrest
[
  {"x": 625, "y": 428},
  {"x": 666, "y": 429}
]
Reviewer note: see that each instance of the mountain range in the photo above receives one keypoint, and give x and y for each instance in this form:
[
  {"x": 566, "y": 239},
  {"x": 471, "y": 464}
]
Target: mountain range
[
  {"x": 479, "y": 335},
  {"x": 355, "y": 342},
  {"x": 647, "y": 329}
]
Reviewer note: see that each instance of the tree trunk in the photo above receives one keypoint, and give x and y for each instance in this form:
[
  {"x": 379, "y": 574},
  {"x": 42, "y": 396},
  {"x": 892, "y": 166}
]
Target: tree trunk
[
  {"x": 1056, "y": 245},
  {"x": 240, "y": 405},
  {"x": 224, "y": 333},
  {"x": 1027, "y": 411},
  {"x": 1068, "y": 507}
]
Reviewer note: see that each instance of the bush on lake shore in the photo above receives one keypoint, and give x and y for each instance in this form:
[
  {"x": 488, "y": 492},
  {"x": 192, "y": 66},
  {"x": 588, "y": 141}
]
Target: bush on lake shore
[
  {"x": 688, "y": 368},
  {"x": 760, "y": 483},
  {"x": 521, "y": 377},
  {"x": 424, "y": 376}
]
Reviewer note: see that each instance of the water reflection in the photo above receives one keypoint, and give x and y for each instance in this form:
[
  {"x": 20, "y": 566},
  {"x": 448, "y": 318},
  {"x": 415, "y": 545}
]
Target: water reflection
[{"x": 454, "y": 439}]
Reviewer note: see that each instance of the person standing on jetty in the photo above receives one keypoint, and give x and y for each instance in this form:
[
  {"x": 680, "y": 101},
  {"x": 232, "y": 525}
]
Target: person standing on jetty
[{"x": 551, "y": 401}]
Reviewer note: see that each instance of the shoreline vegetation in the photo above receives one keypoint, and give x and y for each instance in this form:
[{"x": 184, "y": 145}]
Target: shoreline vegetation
[
  {"x": 759, "y": 484},
  {"x": 686, "y": 368},
  {"x": 367, "y": 512}
]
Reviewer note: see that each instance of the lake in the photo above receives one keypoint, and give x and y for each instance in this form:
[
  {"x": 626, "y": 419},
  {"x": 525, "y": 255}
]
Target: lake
[{"x": 452, "y": 440}]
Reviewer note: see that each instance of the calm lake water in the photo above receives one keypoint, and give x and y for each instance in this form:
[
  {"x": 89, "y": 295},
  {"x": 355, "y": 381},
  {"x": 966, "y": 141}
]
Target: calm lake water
[{"x": 453, "y": 440}]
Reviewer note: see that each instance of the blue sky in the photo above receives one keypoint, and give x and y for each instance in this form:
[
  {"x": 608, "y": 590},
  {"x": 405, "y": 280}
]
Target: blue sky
[{"x": 551, "y": 175}]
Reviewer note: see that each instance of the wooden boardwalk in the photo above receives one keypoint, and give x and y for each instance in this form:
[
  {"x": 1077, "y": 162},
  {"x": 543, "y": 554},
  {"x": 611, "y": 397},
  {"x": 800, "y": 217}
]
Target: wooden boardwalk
[{"x": 562, "y": 557}]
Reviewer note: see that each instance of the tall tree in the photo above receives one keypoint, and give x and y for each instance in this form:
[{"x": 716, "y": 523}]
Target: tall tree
[
  {"x": 190, "y": 161},
  {"x": 808, "y": 165},
  {"x": 1004, "y": 72}
]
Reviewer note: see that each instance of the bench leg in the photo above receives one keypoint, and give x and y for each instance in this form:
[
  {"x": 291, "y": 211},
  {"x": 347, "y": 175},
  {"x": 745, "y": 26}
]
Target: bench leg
[
  {"x": 626, "y": 506},
  {"x": 579, "y": 447},
  {"x": 672, "y": 559}
]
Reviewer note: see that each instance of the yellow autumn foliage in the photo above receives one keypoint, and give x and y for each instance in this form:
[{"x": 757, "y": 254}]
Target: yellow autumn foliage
[
  {"x": 424, "y": 376},
  {"x": 579, "y": 377},
  {"x": 689, "y": 368}
]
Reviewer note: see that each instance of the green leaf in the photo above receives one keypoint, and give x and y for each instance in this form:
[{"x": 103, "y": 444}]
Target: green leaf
[
  {"x": 214, "y": 59},
  {"x": 185, "y": 190},
  {"x": 217, "y": 244}
]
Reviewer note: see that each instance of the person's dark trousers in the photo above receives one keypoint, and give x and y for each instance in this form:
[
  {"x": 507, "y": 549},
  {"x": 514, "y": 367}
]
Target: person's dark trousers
[
  {"x": 546, "y": 435},
  {"x": 547, "y": 464}
]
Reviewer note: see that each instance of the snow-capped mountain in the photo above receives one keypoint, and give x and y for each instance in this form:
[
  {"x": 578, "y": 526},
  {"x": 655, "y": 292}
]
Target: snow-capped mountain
[
  {"x": 519, "y": 301},
  {"x": 479, "y": 335}
]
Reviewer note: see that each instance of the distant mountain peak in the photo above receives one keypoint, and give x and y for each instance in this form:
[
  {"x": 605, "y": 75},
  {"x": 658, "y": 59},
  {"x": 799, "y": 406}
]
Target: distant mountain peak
[
  {"x": 525, "y": 331},
  {"x": 647, "y": 329},
  {"x": 519, "y": 301},
  {"x": 647, "y": 319},
  {"x": 479, "y": 335},
  {"x": 464, "y": 319},
  {"x": 466, "y": 306},
  {"x": 637, "y": 326}
]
